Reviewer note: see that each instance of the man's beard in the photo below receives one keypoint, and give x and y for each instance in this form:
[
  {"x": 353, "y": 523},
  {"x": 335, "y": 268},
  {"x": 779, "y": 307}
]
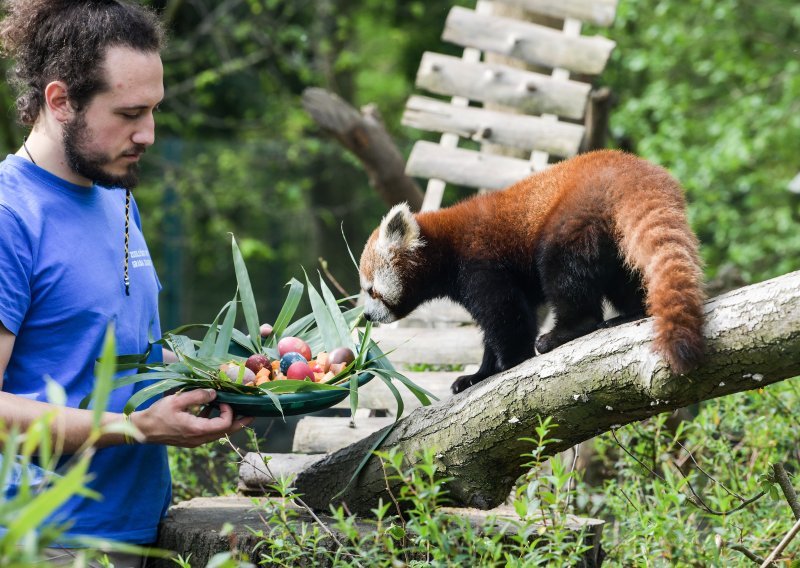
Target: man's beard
[{"x": 91, "y": 164}]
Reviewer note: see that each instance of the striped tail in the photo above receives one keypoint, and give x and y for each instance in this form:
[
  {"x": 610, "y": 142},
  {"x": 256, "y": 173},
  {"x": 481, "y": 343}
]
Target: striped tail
[{"x": 656, "y": 239}]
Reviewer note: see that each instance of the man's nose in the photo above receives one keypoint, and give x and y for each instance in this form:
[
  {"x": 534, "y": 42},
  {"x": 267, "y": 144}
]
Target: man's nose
[{"x": 145, "y": 134}]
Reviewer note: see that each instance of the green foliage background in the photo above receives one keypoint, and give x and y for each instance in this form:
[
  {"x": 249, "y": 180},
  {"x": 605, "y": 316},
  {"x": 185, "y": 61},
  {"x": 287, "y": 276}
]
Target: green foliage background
[{"x": 709, "y": 89}]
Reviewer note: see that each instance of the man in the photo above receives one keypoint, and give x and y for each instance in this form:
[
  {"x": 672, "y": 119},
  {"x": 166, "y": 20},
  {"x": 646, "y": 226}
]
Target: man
[{"x": 90, "y": 77}]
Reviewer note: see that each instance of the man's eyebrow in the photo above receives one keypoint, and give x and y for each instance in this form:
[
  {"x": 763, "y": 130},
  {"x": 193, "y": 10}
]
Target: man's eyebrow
[{"x": 137, "y": 107}]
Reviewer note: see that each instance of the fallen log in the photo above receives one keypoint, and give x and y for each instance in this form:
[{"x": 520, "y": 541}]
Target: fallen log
[{"x": 589, "y": 386}]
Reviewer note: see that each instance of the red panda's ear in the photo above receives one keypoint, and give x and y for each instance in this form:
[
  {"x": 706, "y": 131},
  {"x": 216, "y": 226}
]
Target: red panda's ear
[{"x": 399, "y": 230}]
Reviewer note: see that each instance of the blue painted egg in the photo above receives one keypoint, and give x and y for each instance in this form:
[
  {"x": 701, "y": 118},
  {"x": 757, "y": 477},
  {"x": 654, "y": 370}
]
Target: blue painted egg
[{"x": 289, "y": 358}]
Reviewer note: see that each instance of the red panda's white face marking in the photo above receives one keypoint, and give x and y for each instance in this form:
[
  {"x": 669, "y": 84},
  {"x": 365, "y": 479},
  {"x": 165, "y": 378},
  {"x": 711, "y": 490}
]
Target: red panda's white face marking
[{"x": 383, "y": 262}]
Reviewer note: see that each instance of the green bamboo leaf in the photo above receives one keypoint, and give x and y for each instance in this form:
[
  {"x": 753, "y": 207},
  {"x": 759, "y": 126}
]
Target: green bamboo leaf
[
  {"x": 353, "y": 315},
  {"x": 182, "y": 329},
  {"x": 281, "y": 324},
  {"x": 46, "y": 503},
  {"x": 149, "y": 392},
  {"x": 181, "y": 345},
  {"x": 104, "y": 376},
  {"x": 134, "y": 358},
  {"x": 276, "y": 402},
  {"x": 422, "y": 395},
  {"x": 365, "y": 344},
  {"x": 136, "y": 366},
  {"x": 399, "y": 399},
  {"x": 353, "y": 396},
  {"x": 210, "y": 338},
  {"x": 293, "y": 386},
  {"x": 246, "y": 295},
  {"x": 336, "y": 315},
  {"x": 300, "y": 327},
  {"x": 226, "y": 331},
  {"x": 329, "y": 333},
  {"x": 242, "y": 340},
  {"x": 199, "y": 366}
]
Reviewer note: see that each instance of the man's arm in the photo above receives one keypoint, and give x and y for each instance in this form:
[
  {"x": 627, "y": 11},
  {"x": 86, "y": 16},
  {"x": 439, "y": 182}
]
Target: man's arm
[{"x": 168, "y": 421}]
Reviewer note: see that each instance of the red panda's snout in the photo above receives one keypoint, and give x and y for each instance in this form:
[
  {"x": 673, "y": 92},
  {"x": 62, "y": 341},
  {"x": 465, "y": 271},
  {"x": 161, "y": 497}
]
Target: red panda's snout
[
  {"x": 381, "y": 284},
  {"x": 390, "y": 248}
]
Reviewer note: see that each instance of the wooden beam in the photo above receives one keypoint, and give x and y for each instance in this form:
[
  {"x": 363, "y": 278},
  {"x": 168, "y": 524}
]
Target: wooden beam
[
  {"x": 529, "y": 42},
  {"x": 512, "y": 130},
  {"x": 597, "y": 12},
  {"x": 465, "y": 167},
  {"x": 529, "y": 92}
]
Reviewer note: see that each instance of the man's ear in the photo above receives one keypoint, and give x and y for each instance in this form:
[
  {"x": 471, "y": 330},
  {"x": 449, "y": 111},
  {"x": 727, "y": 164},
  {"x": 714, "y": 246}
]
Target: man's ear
[
  {"x": 399, "y": 230},
  {"x": 57, "y": 101}
]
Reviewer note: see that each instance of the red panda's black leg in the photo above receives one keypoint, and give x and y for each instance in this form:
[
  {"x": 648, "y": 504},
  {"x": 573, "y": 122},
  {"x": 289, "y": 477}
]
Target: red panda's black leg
[
  {"x": 504, "y": 307},
  {"x": 487, "y": 369},
  {"x": 625, "y": 292},
  {"x": 573, "y": 267}
]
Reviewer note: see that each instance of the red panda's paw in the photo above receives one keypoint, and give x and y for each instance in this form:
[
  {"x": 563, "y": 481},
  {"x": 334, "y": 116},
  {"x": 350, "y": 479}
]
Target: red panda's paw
[
  {"x": 463, "y": 382},
  {"x": 562, "y": 334}
]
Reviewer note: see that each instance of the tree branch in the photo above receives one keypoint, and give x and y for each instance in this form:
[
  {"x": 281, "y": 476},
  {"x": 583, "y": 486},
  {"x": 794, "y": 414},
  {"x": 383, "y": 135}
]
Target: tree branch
[
  {"x": 788, "y": 491},
  {"x": 364, "y": 135},
  {"x": 589, "y": 386}
]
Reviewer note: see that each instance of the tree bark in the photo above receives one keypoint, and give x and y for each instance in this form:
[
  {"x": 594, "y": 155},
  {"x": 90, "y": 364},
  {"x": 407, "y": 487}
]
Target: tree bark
[
  {"x": 365, "y": 136},
  {"x": 589, "y": 386}
]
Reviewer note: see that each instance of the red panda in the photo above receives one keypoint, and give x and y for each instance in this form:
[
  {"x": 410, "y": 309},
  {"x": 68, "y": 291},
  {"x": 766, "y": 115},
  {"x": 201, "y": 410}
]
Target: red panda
[{"x": 603, "y": 225}]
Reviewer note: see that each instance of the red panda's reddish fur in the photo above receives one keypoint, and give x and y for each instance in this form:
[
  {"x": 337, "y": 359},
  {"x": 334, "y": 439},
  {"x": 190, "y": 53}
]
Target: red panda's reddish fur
[{"x": 640, "y": 204}]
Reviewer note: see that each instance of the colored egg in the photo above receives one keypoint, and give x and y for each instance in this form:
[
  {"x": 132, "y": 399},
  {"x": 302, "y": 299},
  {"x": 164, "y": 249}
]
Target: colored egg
[
  {"x": 299, "y": 371},
  {"x": 341, "y": 355},
  {"x": 256, "y": 362},
  {"x": 294, "y": 344},
  {"x": 289, "y": 358}
]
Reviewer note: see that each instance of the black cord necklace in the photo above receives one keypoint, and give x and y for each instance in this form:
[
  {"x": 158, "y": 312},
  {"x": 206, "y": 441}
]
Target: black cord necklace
[
  {"x": 126, "y": 277},
  {"x": 24, "y": 145}
]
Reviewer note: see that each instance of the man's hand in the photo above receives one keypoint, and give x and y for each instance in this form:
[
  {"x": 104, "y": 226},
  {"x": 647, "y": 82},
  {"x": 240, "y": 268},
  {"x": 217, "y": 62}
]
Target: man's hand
[{"x": 171, "y": 421}]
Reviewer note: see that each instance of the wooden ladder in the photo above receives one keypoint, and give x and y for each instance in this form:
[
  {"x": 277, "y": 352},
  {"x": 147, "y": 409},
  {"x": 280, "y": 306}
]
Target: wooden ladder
[{"x": 520, "y": 88}]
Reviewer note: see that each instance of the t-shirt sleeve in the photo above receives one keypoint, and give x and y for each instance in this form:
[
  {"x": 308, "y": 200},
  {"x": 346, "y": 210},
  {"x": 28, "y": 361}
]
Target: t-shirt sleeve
[{"x": 15, "y": 271}]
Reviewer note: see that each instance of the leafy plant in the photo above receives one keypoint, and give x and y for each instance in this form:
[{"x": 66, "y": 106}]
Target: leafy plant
[
  {"x": 415, "y": 528},
  {"x": 31, "y": 459},
  {"x": 200, "y": 362}
]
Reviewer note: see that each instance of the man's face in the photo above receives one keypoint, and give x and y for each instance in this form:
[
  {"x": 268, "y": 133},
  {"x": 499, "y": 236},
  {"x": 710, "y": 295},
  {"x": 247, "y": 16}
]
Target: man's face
[{"x": 104, "y": 140}]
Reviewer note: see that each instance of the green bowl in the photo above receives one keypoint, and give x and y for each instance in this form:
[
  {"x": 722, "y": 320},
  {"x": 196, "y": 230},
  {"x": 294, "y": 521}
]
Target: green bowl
[{"x": 292, "y": 404}]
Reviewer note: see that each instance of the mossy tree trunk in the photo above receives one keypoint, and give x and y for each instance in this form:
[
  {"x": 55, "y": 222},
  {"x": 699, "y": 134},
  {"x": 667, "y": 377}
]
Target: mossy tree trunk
[{"x": 589, "y": 386}]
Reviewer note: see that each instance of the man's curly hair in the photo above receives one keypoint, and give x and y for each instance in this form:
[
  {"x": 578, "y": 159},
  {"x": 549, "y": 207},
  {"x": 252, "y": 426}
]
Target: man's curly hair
[{"x": 66, "y": 40}]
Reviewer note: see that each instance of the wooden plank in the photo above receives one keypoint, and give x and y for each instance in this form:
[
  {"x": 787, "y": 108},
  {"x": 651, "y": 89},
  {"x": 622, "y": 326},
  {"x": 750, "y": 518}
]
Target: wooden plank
[
  {"x": 434, "y": 191},
  {"x": 532, "y": 43},
  {"x": 512, "y": 130},
  {"x": 446, "y": 346},
  {"x": 321, "y": 434},
  {"x": 527, "y": 91},
  {"x": 597, "y": 12},
  {"x": 376, "y": 395},
  {"x": 465, "y": 167}
]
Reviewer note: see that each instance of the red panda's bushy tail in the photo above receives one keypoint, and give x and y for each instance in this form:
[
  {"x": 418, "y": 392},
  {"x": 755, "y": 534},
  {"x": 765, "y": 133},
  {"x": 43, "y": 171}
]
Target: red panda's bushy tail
[{"x": 656, "y": 239}]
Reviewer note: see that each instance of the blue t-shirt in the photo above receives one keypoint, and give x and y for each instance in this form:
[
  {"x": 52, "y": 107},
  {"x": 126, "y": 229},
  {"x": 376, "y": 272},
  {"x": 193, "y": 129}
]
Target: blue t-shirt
[{"x": 61, "y": 283}]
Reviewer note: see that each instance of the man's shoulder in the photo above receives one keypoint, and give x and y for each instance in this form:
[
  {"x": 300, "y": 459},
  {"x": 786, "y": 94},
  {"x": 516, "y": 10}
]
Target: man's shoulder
[{"x": 13, "y": 179}]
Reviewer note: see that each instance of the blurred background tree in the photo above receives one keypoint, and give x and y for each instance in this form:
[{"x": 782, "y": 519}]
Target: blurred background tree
[{"x": 709, "y": 89}]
